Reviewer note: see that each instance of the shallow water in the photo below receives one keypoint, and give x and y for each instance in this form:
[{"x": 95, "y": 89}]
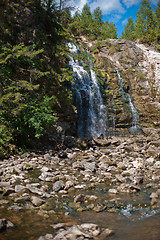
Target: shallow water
[
  {"x": 133, "y": 220},
  {"x": 30, "y": 226}
]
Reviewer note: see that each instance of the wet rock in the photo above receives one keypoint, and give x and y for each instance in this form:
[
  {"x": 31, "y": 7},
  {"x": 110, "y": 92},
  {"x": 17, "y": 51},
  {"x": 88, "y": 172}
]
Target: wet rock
[
  {"x": 79, "y": 198},
  {"x": 4, "y": 224},
  {"x": 58, "y": 226},
  {"x": 68, "y": 185},
  {"x": 46, "y": 237},
  {"x": 3, "y": 202},
  {"x": 57, "y": 186},
  {"x": 106, "y": 233},
  {"x": 154, "y": 195},
  {"x": 62, "y": 154},
  {"x": 112, "y": 191},
  {"x": 158, "y": 192},
  {"x": 102, "y": 142},
  {"x": 1, "y": 172},
  {"x": 47, "y": 156},
  {"x": 37, "y": 201},
  {"x": 47, "y": 176},
  {"x": 19, "y": 188},
  {"x": 8, "y": 191}
]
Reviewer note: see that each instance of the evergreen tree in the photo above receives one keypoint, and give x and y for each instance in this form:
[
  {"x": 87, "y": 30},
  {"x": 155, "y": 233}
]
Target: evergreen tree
[
  {"x": 108, "y": 30},
  {"x": 97, "y": 14},
  {"x": 158, "y": 15},
  {"x": 129, "y": 30},
  {"x": 145, "y": 19}
]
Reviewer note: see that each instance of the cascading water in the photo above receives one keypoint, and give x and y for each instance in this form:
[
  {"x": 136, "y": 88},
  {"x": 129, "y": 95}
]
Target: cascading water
[
  {"x": 135, "y": 116},
  {"x": 92, "y": 113}
]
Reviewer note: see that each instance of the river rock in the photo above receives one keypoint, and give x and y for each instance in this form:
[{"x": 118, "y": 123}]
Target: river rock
[
  {"x": 37, "y": 201},
  {"x": 154, "y": 195},
  {"x": 57, "y": 186},
  {"x": 68, "y": 185},
  {"x": 19, "y": 188},
  {"x": 106, "y": 233},
  {"x": 112, "y": 191},
  {"x": 46, "y": 237},
  {"x": 4, "y": 224}
]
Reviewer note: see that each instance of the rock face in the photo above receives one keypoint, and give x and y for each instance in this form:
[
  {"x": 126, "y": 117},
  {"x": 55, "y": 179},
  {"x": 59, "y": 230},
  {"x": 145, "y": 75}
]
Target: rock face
[{"x": 140, "y": 70}]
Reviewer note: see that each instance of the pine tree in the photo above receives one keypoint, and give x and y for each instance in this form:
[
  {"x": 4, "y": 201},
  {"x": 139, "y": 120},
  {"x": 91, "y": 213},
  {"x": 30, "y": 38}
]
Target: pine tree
[
  {"x": 108, "y": 30},
  {"x": 145, "y": 19},
  {"x": 158, "y": 15},
  {"x": 129, "y": 30}
]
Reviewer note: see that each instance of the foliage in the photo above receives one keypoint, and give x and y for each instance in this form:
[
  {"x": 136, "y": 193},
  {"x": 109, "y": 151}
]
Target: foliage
[
  {"x": 146, "y": 26},
  {"x": 129, "y": 30},
  {"x": 33, "y": 73},
  {"x": 91, "y": 25}
]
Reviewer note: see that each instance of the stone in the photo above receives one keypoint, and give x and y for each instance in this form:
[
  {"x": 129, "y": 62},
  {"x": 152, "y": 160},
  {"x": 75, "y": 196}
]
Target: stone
[
  {"x": 1, "y": 172},
  {"x": 112, "y": 191},
  {"x": 154, "y": 195},
  {"x": 46, "y": 237},
  {"x": 3, "y": 202},
  {"x": 7, "y": 191},
  {"x": 37, "y": 201},
  {"x": 47, "y": 157},
  {"x": 58, "y": 185},
  {"x": 19, "y": 188},
  {"x": 106, "y": 233},
  {"x": 68, "y": 185},
  {"x": 4, "y": 224},
  {"x": 58, "y": 226},
  {"x": 79, "y": 198}
]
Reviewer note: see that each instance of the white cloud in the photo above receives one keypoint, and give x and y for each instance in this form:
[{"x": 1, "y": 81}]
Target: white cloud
[
  {"x": 125, "y": 21},
  {"x": 115, "y": 18},
  {"x": 108, "y": 6},
  {"x": 130, "y": 3},
  {"x": 80, "y": 4}
]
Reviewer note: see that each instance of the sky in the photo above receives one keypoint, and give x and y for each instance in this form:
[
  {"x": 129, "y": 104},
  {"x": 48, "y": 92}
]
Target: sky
[{"x": 117, "y": 11}]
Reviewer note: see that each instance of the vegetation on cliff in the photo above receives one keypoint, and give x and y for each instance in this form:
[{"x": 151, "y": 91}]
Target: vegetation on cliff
[{"x": 146, "y": 26}]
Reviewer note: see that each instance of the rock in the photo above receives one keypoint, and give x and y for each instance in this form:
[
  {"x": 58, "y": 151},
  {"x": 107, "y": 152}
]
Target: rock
[
  {"x": 46, "y": 237},
  {"x": 68, "y": 185},
  {"x": 1, "y": 172},
  {"x": 3, "y": 202},
  {"x": 154, "y": 195},
  {"x": 106, "y": 233},
  {"x": 4, "y": 224},
  {"x": 8, "y": 191},
  {"x": 158, "y": 192},
  {"x": 47, "y": 157},
  {"x": 57, "y": 186},
  {"x": 102, "y": 142},
  {"x": 37, "y": 201},
  {"x": 112, "y": 191},
  {"x": 72, "y": 233},
  {"x": 91, "y": 166},
  {"x": 58, "y": 226},
  {"x": 79, "y": 198},
  {"x": 19, "y": 188}
]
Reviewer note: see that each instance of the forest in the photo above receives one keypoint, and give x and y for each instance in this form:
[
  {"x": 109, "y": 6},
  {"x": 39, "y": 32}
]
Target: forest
[{"x": 35, "y": 78}]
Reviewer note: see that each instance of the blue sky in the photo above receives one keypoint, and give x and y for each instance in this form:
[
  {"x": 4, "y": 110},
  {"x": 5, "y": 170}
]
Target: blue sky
[{"x": 117, "y": 11}]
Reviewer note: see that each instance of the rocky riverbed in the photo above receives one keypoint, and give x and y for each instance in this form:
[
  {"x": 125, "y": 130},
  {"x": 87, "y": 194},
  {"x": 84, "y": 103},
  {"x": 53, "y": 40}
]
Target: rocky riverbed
[{"x": 118, "y": 176}]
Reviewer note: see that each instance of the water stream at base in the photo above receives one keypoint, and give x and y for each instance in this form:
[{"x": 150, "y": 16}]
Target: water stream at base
[
  {"x": 126, "y": 96},
  {"x": 92, "y": 113}
]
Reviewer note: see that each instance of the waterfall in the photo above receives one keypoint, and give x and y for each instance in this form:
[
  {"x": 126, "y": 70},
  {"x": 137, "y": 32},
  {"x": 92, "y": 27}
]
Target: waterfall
[
  {"x": 92, "y": 113},
  {"x": 135, "y": 128}
]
